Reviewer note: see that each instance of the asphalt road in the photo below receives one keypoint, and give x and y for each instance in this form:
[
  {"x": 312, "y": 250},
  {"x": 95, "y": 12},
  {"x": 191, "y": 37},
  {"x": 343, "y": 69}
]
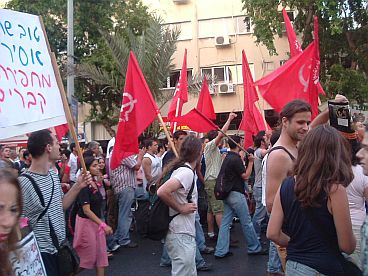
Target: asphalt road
[{"x": 144, "y": 260}]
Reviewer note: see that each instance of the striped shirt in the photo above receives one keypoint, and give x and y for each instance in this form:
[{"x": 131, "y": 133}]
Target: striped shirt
[
  {"x": 124, "y": 176},
  {"x": 213, "y": 159},
  {"x": 32, "y": 208}
]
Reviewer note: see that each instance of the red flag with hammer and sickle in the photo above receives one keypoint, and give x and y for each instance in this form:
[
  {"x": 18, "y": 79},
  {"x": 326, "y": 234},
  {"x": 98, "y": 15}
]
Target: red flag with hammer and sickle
[{"x": 138, "y": 110}]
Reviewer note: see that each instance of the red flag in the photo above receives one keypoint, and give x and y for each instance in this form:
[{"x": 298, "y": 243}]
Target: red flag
[
  {"x": 138, "y": 110},
  {"x": 181, "y": 91},
  {"x": 61, "y": 131},
  {"x": 205, "y": 105},
  {"x": 252, "y": 121},
  {"x": 293, "y": 81},
  {"x": 294, "y": 44},
  {"x": 295, "y": 47},
  {"x": 196, "y": 121}
]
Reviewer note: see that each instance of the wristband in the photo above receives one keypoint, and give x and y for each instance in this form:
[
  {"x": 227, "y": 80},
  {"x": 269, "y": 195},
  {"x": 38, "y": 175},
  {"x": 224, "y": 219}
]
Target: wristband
[{"x": 101, "y": 227}]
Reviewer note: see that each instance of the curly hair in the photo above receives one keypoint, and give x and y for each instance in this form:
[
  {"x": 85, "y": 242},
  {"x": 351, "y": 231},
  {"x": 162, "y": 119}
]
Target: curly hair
[
  {"x": 8, "y": 177},
  {"x": 324, "y": 159}
]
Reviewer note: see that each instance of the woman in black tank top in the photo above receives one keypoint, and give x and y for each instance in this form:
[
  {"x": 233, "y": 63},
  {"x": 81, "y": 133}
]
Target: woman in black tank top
[{"x": 310, "y": 215}]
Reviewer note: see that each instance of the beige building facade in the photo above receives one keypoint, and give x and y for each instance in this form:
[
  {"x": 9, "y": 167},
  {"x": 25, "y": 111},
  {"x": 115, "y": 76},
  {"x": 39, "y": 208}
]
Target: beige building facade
[{"x": 215, "y": 32}]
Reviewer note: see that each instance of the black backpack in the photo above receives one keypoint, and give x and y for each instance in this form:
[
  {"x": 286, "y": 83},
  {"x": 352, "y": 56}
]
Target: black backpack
[
  {"x": 159, "y": 216},
  {"x": 222, "y": 189}
]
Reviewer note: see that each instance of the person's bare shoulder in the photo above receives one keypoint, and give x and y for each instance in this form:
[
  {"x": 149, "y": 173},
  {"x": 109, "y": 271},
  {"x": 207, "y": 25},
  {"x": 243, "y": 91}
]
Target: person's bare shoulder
[{"x": 279, "y": 161}]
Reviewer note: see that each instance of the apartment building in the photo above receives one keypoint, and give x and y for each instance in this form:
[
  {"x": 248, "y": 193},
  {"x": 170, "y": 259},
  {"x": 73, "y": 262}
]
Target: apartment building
[{"x": 215, "y": 32}]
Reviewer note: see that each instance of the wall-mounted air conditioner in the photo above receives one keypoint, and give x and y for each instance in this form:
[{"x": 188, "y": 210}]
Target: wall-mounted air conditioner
[
  {"x": 180, "y": 1},
  {"x": 226, "y": 88},
  {"x": 222, "y": 40}
]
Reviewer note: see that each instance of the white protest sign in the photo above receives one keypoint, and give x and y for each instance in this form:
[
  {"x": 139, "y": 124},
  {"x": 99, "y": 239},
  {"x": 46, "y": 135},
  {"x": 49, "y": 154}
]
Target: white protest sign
[
  {"x": 27, "y": 260},
  {"x": 29, "y": 95}
]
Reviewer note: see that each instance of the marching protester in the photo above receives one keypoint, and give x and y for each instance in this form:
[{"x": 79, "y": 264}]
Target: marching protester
[
  {"x": 310, "y": 213},
  {"x": 10, "y": 210},
  {"x": 357, "y": 193},
  {"x": 295, "y": 119},
  {"x": 123, "y": 181},
  {"x": 213, "y": 161},
  {"x": 90, "y": 228},
  {"x": 151, "y": 165},
  {"x": 363, "y": 159},
  {"x": 43, "y": 200},
  {"x": 261, "y": 143},
  {"x": 73, "y": 163},
  {"x": 180, "y": 240},
  {"x": 234, "y": 173}
]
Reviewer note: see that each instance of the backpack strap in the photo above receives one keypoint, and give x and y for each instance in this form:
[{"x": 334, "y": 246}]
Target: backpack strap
[
  {"x": 189, "y": 196},
  {"x": 39, "y": 194},
  {"x": 284, "y": 149}
]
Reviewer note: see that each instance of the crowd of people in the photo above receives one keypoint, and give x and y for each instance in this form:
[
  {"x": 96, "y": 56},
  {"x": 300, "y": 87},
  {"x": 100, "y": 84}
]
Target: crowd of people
[{"x": 305, "y": 181}]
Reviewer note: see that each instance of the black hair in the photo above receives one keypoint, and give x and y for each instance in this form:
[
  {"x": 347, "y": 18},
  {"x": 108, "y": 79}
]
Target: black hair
[
  {"x": 258, "y": 139},
  {"x": 212, "y": 135},
  {"x": 38, "y": 141},
  {"x": 233, "y": 144},
  {"x": 293, "y": 107},
  {"x": 179, "y": 133}
]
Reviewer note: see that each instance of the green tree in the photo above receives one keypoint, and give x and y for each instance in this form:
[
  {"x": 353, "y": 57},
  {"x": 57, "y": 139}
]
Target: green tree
[
  {"x": 153, "y": 49},
  {"x": 343, "y": 32}
]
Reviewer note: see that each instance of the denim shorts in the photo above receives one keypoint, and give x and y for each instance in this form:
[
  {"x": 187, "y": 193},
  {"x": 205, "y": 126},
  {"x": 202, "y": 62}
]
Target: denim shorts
[{"x": 298, "y": 269}]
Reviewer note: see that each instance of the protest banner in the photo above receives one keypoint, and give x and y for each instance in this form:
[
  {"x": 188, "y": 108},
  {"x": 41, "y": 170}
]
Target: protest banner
[
  {"x": 29, "y": 95},
  {"x": 27, "y": 259}
]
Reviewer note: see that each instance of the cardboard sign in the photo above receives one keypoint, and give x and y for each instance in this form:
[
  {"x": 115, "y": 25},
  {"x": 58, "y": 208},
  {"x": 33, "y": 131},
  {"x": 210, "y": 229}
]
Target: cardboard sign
[
  {"x": 27, "y": 260},
  {"x": 29, "y": 95}
]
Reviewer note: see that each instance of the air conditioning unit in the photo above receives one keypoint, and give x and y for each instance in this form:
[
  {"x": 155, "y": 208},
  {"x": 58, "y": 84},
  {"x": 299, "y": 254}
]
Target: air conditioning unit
[
  {"x": 180, "y": 1},
  {"x": 222, "y": 41},
  {"x": 226, "y": 88}
]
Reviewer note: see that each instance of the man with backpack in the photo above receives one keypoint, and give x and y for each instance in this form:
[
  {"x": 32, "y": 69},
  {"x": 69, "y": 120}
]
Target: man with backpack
[
  {"x": 180, "y": 239},
  {"x": 232, "y": 176},
  {"x": 43, "y": 199}
]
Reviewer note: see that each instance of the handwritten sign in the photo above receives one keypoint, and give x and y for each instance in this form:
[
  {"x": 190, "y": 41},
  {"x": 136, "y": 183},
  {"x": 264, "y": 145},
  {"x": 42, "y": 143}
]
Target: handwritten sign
[
  {"x": 27, "y": 260},
  {"x": 29, "y": 96}
]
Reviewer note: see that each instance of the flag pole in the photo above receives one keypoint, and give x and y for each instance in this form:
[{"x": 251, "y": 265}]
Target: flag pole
[
  {"x": 167, "y": 134},
  {"x": 176, "y": 114},
  {"x": 68, "y": 114},
  {"x": 60, "y": 84}
]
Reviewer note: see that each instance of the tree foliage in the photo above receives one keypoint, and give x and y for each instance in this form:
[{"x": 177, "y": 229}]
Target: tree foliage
[
  {"x": 343, "y": 32},
  {"x": 153, "y": 49}
]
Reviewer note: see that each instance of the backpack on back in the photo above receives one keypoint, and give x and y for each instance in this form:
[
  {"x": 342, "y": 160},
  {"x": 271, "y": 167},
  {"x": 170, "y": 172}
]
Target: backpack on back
[
  {"x": 222, "y": 189},
  {"x": 159, "y": 216}
]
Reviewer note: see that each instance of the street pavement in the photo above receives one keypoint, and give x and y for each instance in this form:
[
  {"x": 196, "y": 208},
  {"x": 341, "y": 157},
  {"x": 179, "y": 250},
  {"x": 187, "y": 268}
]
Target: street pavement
[{"x": 144, "y": 260}]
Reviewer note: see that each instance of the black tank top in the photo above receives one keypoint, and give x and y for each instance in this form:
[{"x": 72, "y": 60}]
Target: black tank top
[{"x": 306, "y": 245}]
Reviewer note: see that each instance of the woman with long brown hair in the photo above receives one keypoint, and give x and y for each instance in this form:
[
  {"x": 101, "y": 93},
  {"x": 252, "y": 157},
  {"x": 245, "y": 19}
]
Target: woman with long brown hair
[
  {"x": 310, "y": 215},
  {"x": 10, "y": 210}
]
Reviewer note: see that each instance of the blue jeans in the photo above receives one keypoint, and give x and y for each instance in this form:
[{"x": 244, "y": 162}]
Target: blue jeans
[
  {"x": 181, "y": 249},
  {"x": 274, "y": 263},
  {"x": 125, "y": 200},
  {"x": 236, "y": 204},
  {"x": 141, "y": 193},
  {"x": 298, "y": 269},
  {"x": 260, "y": 212},
  {"x": 200, "y": 239}
]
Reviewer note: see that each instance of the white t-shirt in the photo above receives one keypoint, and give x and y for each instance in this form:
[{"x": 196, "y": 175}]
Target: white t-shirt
[
  {"x": 184, "y": 224},
  {"x": 155, "y": 169},
  {"x": 264, "y": 178},
  {"x": 73, "y": 164},
  {"x": 355, "y": 192}
]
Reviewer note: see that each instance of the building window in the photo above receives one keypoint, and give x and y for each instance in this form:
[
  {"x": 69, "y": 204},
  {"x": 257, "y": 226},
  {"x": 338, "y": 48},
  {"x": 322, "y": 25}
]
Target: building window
[
  {"x": 184, "y": 27},
  {"x": 269, "y": 65},
  {"x": 224, "y": 26},
  {"x": 226, "y": 73},
  {"x": 173, "y": 79},
  {"x": 283, "y": 61}
]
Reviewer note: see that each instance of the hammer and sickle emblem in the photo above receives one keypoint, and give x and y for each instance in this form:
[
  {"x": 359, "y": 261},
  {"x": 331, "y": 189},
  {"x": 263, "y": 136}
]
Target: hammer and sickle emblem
[
  {"x": 302, "y": 80},
  {"x": 129, "y": 105}
]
